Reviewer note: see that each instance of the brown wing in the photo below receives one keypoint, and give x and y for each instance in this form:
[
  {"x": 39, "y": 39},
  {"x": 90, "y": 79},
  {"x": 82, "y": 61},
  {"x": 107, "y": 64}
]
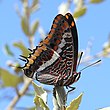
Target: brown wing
[
  {"x": 55, "y": 58},
  {"x": 63, "y": 39}
]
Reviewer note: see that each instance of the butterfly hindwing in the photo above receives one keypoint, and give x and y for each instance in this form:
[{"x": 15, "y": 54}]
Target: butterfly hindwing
[{"x": 73, "y": 29}]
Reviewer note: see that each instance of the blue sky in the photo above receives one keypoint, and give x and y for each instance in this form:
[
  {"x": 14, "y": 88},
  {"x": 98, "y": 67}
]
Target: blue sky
[{"x": 95, "y": 24}]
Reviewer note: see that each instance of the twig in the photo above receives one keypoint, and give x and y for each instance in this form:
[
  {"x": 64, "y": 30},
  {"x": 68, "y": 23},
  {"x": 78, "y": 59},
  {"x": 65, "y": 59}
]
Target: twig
[
  {"x": 21, "y": 93},
  {"x": 27, "y": 81},
  {"x": 59, "y": 98},
  {"x": 31, "y": 40}
]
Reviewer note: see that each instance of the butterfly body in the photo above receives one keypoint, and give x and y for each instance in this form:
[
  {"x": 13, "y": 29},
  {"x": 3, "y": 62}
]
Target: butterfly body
[{"x": 54, "y": 60}]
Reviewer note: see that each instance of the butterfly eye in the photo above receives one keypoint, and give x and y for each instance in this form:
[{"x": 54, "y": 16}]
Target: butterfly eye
[{"x": 28, "y": 73}]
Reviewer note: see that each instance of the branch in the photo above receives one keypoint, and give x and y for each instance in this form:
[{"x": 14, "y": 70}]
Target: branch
[
  {"x": 19, "y": 94},
  {"x": 27, "y": 81}
]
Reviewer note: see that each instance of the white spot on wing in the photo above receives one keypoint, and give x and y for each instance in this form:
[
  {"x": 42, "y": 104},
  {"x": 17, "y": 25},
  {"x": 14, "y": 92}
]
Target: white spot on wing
[
  {"x": 49, "y": 62},
  {"x": 59, "y": 50},
  {"x": 63, "y": 42}
]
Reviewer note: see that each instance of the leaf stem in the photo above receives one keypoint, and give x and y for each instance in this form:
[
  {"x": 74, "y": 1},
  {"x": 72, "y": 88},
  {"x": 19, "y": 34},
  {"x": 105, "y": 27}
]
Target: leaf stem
[{"x": 59, "y": 98}]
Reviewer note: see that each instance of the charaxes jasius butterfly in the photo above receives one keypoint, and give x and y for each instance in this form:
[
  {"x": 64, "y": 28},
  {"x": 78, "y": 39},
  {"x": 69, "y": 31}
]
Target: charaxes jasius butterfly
[{"x": 54, "y": 60}]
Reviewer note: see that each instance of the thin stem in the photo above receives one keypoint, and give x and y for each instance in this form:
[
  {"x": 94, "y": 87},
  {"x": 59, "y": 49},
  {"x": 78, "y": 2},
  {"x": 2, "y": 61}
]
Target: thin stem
[
  {"x": 59, "y": 98},
  {"x": 27, "y": 81},
  {"x": 21, "y": 93},
  {"x": 31, "y": 40}
]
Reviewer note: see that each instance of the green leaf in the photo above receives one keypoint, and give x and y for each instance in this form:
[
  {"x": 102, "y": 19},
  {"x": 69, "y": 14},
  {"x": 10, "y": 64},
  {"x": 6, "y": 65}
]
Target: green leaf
[
  {"x": 96, "y": 1},
  {"x": 23, "y": 1},
  {"x": 40, "y": 91},
  {"x": 75, "y": 103},
  {"x": 20, "y": 45},
  {"x": 80, "y": 12},
  {"x": 35, "y": 2},
  {"x": 34, "y": 27},
  {"x": 25, "y": 25},
  {"x": 8, "y": 51},
  {"x": 9, "y": 79},
  {"x": 106, "y": 49},
  {"x": 35, "y": 6},
  {"x": 40, "y": 105},
  {"x": 40, "y": 98}
]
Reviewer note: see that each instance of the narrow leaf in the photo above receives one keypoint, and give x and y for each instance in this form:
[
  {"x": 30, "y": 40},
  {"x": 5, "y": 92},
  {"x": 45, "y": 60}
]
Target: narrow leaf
[
  {"x": 8, "y": 51},
  {"x": 74, "y": 105},
  {"x": 64, "y": 7},
  {"x": 34, "y": 3},
  {"x": 34, "y": 27},
  {"x": 40, "y": 92},
  {"x": 25, "y": 26},
  {"x": 96, "y": 1},
  {"x": 20, "y": 45},
  {"x": 40, "y": 98},
  {"x": 80, "y": 12},
  {"x": 23, "y": 1},
  {"x": 40, "y": 104},
  {"x": 35, "y": 6},
  {"x": 9, "y": 79}
]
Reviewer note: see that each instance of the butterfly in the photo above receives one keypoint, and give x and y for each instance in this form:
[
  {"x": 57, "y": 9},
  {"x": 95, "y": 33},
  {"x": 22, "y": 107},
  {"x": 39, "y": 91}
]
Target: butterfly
[{"x": 54, "y": 60}]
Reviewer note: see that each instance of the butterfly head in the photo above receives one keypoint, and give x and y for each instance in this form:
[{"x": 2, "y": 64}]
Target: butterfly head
[
  {"x": 28, "y": 72},
  {"x": 28, "y": 68}
]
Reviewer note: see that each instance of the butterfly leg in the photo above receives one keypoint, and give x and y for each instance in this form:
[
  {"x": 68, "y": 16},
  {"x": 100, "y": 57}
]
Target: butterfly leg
[{"x": 71, "y": 89}]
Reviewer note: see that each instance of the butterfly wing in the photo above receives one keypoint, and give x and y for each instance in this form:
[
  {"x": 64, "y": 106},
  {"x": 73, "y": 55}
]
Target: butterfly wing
[
  {"x": 74, "y": 34},
  {"x": 62, "y": 39},
  {"x": 55, "y": 58}
]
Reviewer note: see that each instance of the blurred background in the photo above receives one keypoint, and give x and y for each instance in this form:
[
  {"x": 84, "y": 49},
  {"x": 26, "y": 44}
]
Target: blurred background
[{"x": 24, "y": 23}]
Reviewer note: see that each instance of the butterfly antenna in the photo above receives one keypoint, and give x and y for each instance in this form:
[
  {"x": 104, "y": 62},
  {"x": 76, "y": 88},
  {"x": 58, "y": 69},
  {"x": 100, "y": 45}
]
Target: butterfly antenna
[
  {"x": 79, "y": 60},
  {"x": 23, "y": 59},
  {"x": 30, "y": 49},
  {"x": 23, "y": 56},
  {"x": 90, "y": 65}
]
